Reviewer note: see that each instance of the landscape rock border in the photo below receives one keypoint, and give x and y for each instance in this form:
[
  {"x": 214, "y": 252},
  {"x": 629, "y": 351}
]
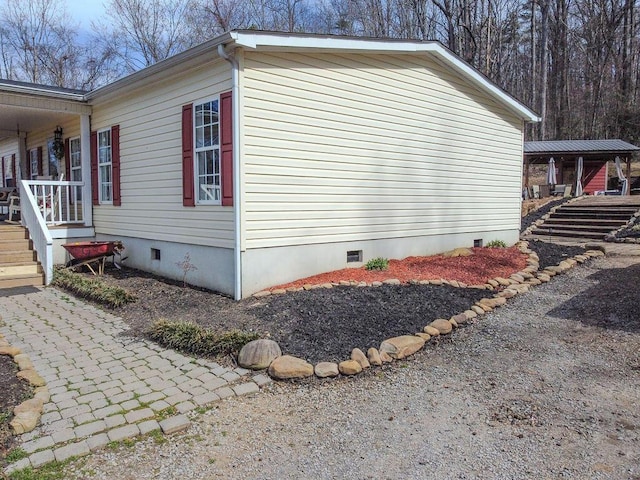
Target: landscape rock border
[
  {"x": 26, "y": 416},
  {"x": 398, "y": 348},
  {"x": 613, "y": 235}
]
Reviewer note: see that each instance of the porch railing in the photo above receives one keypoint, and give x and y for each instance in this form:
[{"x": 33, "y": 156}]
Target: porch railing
[
  {"x": 45, "y": 203},
  {"x": 38, "y": 231},
  {"x": 59, "y": 203}
]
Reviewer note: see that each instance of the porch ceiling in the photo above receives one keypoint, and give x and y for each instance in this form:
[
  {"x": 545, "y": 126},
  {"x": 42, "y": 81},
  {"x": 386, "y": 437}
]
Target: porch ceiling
[
  {"x": 24, "y": 108},
  {"x": 15, "y": 119}
]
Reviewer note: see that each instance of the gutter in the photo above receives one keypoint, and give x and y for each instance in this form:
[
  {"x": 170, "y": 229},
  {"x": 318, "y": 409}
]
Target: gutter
[{"x": 235, "y": 100}]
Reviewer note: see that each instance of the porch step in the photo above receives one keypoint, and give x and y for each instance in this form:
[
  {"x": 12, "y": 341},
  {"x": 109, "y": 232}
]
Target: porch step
[
  {"x": 28, "y": 280},
  {"x": 10, "y": 256},
  {"x": 13, "y": 232},
  {"x": 27, "y": 268},
  {"x": 18, "y": 262},
  {"x": 13, "y": 245}
]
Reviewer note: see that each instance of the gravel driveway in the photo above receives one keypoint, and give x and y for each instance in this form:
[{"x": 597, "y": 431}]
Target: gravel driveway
[{"x": 546, "y": 387}]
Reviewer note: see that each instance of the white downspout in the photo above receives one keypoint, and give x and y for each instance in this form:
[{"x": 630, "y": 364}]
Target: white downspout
[{"x": 235, "y": 101}]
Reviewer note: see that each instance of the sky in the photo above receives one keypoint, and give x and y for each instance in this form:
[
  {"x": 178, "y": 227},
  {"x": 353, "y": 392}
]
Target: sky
[{"x": 84, "y": 11}]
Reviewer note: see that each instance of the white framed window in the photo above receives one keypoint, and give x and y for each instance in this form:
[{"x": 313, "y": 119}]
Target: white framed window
[
  {"x": 33, "y": 163},
  {"x": 105, "y": 166},
  {"x": 8, "y": 172},
  {"x": 206, "y": 131},
  {"x": 75, "y": 165}
]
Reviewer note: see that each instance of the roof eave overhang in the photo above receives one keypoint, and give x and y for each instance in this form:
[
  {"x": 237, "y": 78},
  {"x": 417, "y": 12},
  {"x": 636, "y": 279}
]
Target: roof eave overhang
[
  {"x": 273, "y": 41},
  {"x": 40, "y": 91},
  {"x": 140, "y": 76},
  {"x": 604, "y": 153},
  {"x": 283, "y": 41}
]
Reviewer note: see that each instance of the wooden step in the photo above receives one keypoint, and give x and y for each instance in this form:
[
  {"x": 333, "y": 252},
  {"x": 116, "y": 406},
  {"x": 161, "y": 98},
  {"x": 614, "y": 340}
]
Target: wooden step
[
  {"x": 586, "y": 221},
  {"x": 600, "y": 215},
  {"x": 11, "y": 232},
  {"x": 580, "y": 228},
  {"x": 568, "y": 233},
  {"x": 14, "y": 245},
  {"x": 27, "y": 268},
  {"x": 22, "y": 281},
  {"x": 11, "y": 256}
]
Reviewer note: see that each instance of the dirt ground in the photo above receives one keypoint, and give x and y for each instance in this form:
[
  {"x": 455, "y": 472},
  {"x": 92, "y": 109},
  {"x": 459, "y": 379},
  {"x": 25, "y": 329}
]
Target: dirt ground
[{"x": 546, "y": 387}]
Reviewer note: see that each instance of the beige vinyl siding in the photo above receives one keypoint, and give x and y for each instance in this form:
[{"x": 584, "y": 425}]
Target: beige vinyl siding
[
  {"x": 353, "y": 147},
  {"x": 151, "y": 161}
]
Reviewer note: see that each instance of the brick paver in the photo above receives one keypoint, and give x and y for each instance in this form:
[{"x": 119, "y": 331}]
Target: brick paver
[{"x": 104, "y": 385}]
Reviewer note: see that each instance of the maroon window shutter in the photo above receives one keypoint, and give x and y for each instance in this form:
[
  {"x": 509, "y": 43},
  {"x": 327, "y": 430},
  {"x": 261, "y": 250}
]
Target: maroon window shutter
[
  {"x": 115, "y": 164},
  {"x": 14, "y": 171},
  {"x": 226, "y": 148},
  {"x": 95, "y": 197},
  {"x": 40, "y": 170},
  {"x": 67, "y": 160},
  {"x": 188, "y": 199},
  {"x": 3, "y": 173}
]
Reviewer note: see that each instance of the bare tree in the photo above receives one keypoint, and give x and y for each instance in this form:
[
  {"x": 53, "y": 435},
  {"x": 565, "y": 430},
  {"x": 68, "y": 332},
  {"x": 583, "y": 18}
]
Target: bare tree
[{"x": 143, "y": 32}]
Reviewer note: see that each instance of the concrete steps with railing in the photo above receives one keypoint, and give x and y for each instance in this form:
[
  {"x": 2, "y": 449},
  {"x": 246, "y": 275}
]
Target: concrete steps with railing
[{"x": 19, "y": 266}]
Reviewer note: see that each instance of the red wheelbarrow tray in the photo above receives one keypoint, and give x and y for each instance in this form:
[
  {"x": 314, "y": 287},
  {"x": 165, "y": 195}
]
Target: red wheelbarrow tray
[{"x": 85, "y": 253}]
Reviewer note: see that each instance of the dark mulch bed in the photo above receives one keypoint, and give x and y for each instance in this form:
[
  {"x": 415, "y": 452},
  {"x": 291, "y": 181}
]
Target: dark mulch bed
[
  {"x": 325, "y": 325},
  {"x": 13, "y": 392},
  {"x": 552, "y": 253}
]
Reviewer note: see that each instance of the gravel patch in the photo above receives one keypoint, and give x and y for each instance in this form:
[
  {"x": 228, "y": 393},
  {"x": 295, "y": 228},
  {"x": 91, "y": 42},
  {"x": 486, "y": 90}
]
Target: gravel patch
[{"x": 545, "y": 387}]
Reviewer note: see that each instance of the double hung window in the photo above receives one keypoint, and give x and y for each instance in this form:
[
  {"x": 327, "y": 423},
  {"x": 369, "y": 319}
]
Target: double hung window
[
  {"x": 207, "y": 152},
  {"x": 33, "y": 163},
  {"x": 75, "y": 165},
  {"x": 105, "y": 162}
]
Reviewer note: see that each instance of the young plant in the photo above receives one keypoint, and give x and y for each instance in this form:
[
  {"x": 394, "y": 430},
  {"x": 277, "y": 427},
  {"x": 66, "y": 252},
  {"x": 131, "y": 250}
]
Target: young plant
[
  {"x": 377, "y": 264},
  {"x": 186, "y": 266},
  {"x": 92, "y": 289},
  {"x": 496, "y": 244},
  {"x": 192, "y": 338}
]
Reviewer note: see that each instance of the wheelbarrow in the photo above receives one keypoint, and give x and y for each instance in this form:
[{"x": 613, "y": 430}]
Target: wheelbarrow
[{"x": 87, "y": 253}]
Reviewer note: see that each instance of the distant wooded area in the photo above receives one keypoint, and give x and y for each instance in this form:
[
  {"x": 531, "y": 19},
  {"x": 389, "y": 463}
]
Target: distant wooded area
[{"x": 576, "y": 62}]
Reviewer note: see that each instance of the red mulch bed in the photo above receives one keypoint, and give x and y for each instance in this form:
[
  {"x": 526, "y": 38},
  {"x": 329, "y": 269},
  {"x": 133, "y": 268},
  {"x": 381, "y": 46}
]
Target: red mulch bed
[{"x": 484, "y": 264}]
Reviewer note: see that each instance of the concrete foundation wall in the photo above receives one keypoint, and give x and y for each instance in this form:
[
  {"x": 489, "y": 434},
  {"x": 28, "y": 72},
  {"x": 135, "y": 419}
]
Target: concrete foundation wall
[
  {"x": 214, "y": 265},
  {"x": 266, "y": 267}
]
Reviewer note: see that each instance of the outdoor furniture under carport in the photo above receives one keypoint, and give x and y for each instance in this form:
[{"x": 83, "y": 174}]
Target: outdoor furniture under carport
[{"x": 591, "y": 172}]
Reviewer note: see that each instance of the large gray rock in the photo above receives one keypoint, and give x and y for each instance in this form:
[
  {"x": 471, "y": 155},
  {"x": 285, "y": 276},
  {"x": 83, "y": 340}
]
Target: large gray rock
[
  {"x": 443, "y": 326},
  {"x": 326, "y": 369},
  {"x": 402, "y": 346},
  {"x": 259, "y": 354},
  {"x": 287, "y": 366},
  {"x": 349, "y": 367},
  {"x": 360, "y": 357}
]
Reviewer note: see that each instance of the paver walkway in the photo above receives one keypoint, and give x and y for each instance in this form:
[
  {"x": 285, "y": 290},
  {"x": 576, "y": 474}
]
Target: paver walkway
[{"x": 104, "y": 385}]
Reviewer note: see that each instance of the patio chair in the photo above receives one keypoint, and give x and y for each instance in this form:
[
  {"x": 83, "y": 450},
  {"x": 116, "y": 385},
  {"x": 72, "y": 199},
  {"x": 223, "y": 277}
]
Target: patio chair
[
  {"x": 567, "y": 191},
  {"x": 48, "y": 203},
  {"x": 559, "y": 189},
  {"x": 5, "y": 195},
  {"x": 535, "y": 191},
  {"x": 14, "y": 208}
]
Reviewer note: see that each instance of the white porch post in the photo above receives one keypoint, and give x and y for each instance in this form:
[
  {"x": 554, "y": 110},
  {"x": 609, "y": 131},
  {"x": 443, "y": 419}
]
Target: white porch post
[{"x": 85, "y": 158}]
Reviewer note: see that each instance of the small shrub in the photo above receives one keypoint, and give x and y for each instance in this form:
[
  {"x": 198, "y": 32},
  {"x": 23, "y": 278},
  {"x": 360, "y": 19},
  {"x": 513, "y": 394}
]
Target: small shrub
[
  {"x": 377, "y": 264},
  {"x": 192, "y": 338},
  {"x": 496, "y": 244},
  {"x": 92, "y": 289}
]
